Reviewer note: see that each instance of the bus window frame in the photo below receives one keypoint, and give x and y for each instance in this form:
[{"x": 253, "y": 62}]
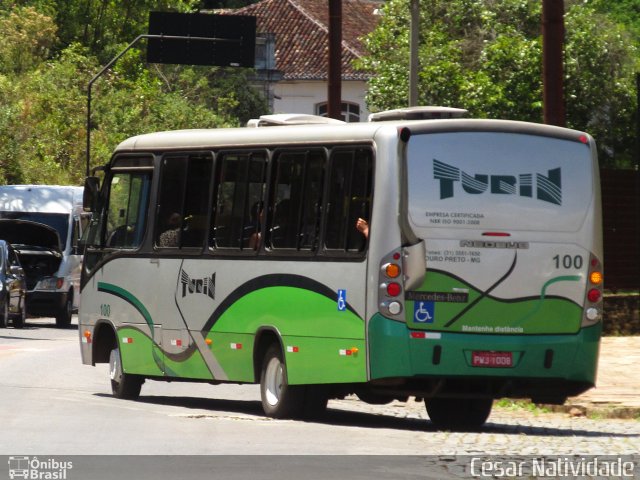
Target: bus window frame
[
  {"x": 291, "y": 252},
  {"x": 344, "y": 254},
  {"x": 182, "y": 250},
  {"x": 237, "y": 251},
  {"x": 119, "y": 164}
]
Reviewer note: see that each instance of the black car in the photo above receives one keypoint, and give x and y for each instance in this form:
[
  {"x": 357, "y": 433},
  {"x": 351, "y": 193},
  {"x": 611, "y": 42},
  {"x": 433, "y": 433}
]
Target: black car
[{"x": 13, "y": 287}]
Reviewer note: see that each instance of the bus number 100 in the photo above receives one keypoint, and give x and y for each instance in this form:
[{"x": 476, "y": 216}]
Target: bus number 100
[
  {"x": 105, "y": 310},
  {"x": 567, "y": 261}
]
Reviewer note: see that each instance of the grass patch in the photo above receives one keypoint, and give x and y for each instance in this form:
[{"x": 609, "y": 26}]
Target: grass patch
[{"x": 521, "y": 405}]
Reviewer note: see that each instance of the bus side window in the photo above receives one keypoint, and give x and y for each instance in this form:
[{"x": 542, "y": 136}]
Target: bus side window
[
  {"x": 239, "y": 200},
  {"x": 183, "y": 200},
  {"x": 196, "y": 201},
  {"x": 297, "y": 199},
  {"x": 349, "y": 198}
]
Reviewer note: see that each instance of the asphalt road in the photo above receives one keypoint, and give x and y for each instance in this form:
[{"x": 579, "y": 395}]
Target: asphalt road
[{"x": 54, "y": 405}]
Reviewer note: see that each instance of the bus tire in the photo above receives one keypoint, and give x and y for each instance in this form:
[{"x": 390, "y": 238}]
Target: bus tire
[
  {"x": 63, "y": 317},
  {"x": 458, "y": 413},
  {"x": 123, "y": 385},
  {"x": 316, "y": 398},
  {"x": 279, "y": 399}
]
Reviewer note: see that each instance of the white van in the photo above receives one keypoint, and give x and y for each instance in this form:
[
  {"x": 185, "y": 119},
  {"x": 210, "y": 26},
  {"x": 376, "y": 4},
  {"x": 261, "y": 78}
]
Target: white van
[{"x": 43, "y": 223}]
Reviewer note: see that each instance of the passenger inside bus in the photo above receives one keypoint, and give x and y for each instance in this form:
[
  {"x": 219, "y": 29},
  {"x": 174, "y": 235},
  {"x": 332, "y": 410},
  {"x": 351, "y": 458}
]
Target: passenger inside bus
[
  {"x": 363, "y": 227},
  {"x": 170, "y": 237},
  {"x": 255, "y": 227}
]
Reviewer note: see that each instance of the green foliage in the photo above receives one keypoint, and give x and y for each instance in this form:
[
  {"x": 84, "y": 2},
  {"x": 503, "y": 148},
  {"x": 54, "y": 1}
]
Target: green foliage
[
  {"x": 27, "y": 38},
  {"x": 50, "y": 49},
  {"x": 486, "y": 56}
]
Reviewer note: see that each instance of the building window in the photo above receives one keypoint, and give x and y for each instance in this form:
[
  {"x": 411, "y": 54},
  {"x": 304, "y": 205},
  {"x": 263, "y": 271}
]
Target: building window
[{"x": 350, "y": 112}]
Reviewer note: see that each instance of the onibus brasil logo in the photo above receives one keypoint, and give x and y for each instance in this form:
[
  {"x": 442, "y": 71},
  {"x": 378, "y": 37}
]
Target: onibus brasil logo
[
  {"x": 34, "y": 468},
  {"x": 548, "y": 188}
]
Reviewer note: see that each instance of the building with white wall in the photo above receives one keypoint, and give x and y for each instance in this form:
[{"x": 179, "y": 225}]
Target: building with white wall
[{"x": 297, "y": 83}]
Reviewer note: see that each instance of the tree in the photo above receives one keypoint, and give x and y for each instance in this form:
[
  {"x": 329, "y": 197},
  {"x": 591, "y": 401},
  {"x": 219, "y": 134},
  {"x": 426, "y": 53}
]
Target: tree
[
  {"x": 486, "y": 56},
  {"x": 27, "y": 39},
  {"x": 43, "y": 81}
]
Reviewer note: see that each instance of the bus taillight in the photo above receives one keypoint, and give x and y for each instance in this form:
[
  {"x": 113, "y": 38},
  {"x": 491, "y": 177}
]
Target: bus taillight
[
  {"x": 394, "y": 289},
  {"x": 390, "y": 286},
  {"x": 595, "y": 278},
  {"x": 593, "y": 303},
  {"x": 392, "y": 270},
  {"x": 593, "y": 295}
]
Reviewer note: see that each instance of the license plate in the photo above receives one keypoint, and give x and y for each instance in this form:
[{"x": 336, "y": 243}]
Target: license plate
[{"x": 492, "y": 359}]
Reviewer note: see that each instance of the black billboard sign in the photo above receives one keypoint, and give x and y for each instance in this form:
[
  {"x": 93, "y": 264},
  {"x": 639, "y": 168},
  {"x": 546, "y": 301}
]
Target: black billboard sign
[{"x": 234, "y": 45}]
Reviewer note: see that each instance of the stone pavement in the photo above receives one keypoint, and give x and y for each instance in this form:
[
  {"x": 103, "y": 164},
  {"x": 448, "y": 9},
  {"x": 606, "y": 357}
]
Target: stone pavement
[{"x": 617, "y": 391}]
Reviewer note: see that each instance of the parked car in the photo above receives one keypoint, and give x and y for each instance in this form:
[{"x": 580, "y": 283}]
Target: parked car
[{"x": 13, "y": 287}]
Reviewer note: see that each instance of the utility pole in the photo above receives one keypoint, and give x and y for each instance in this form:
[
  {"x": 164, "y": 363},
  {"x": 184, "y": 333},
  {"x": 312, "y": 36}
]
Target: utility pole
[
  {"x": 637, "y": 152},
  {"x": 552, "y": 62},
  {"x": 334, "y": 88},
  {"x": 413, "y": 53}
]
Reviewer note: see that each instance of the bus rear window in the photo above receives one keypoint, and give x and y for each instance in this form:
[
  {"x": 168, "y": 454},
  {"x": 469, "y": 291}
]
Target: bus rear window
[{"x": 498, "y": 181}]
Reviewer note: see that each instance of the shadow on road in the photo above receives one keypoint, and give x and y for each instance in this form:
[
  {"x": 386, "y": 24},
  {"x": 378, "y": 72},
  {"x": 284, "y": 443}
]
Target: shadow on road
[
  {"x": 345, "y": 418},
  {"x": 11, "y": 333}
]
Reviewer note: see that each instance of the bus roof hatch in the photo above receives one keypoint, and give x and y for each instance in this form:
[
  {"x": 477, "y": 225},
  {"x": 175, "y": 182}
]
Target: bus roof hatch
[
  {"x": 291, "y": 119},
  {"x": 418, "y": 113}
]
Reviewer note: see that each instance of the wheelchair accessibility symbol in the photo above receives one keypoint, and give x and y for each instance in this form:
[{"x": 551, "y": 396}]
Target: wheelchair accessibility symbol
[
  {"x": 423, "y": 312},
  {"x": 342, "y": 300}
]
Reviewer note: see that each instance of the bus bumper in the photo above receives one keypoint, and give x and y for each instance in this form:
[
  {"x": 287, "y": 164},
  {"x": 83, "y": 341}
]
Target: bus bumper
[{"x": 544, "y": 367}]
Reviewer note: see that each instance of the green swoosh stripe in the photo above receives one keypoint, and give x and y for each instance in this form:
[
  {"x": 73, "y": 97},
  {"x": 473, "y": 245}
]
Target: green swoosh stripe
[
  {"x": 129, "y": 298},
  {"x": 543, "y": 292}
]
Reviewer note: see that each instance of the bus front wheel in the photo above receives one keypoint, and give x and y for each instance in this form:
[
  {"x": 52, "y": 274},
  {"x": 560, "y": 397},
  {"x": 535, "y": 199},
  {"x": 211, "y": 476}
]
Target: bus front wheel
[
  {"x": 279, "y": 399},
  {"x": 123, "y": 385},
  {"x": 458, "y": 413}
]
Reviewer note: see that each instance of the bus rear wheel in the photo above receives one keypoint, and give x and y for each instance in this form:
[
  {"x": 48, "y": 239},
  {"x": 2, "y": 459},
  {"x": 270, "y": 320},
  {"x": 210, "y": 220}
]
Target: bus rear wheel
[
  {"x": 123, "y": 385},
  {"x": 458, "y": 413},
  {"x": 279, "y": 399}
]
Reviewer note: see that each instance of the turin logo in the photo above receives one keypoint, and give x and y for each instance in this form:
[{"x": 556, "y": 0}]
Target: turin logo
[
  {"x": 548, "y": 188},
  {"x": 205, "y": 286}
]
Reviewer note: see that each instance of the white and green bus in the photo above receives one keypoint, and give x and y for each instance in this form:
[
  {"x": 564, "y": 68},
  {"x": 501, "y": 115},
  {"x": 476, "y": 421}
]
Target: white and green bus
[{"x": 234, "y": 256}]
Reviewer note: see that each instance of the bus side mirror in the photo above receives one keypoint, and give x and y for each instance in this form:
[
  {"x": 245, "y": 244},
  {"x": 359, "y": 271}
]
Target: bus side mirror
[{"x": 91, "y": 192}]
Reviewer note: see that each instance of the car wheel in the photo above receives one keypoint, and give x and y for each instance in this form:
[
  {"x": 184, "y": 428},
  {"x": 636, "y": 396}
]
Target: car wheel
[
  {"x": 4, "y": 320},
  {"x": 20, "y": 318},
  {"x": 63, "y": 317}
]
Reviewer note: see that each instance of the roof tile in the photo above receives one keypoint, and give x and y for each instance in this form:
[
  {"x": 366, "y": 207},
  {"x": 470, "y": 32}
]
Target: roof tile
[{"x": 302, "y": 34}]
